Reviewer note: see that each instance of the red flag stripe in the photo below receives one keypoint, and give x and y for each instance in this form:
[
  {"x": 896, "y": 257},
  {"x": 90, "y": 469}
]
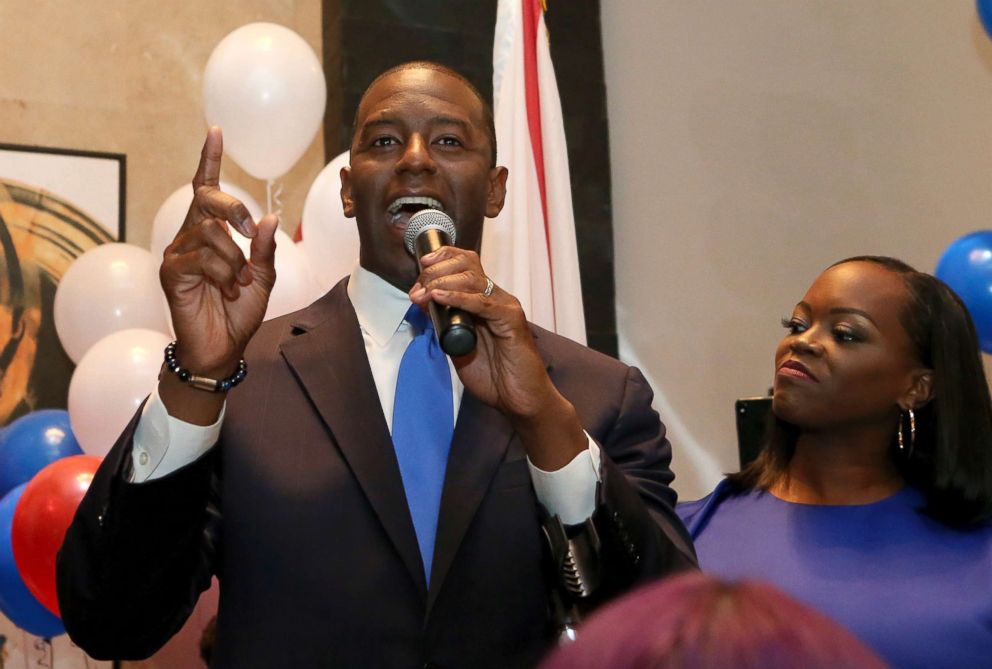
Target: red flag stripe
[{"x": 531, "y": 17}]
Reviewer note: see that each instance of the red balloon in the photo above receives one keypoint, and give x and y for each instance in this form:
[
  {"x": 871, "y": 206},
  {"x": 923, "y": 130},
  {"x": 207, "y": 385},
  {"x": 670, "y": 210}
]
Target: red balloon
[{"x": 41, "y": 519}]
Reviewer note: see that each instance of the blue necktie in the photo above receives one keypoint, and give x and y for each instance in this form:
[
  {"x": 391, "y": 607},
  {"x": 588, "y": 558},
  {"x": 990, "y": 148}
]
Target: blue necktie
[{"x": 423, "y": 422}]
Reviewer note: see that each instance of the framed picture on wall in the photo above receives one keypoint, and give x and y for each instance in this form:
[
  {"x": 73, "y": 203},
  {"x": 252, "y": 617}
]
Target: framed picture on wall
[{"x": 55, "y": 204}]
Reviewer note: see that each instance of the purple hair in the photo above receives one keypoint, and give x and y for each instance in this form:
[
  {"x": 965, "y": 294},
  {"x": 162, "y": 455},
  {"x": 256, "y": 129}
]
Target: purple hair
[{"x": 694, "y": 621}]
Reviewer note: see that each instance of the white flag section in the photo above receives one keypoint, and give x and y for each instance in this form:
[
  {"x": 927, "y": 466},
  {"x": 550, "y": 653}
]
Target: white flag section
[{"x": 531, "y": 256}]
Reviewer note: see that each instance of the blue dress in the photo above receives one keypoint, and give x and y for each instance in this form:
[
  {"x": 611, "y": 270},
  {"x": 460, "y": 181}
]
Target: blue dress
[{"x": 917, "y": 592}]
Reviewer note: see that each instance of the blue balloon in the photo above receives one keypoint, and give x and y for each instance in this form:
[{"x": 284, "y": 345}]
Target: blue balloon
[
  {"x": 31, "y": 443},
  {"x": 16, "y": 601},
  {"x": 966, "y": 267},
  {"x": 985, "y": 14}
]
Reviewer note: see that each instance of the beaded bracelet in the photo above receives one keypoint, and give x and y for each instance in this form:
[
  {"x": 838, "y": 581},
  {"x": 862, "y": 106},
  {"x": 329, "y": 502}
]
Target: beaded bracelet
[{"x": 202, "y": 382}]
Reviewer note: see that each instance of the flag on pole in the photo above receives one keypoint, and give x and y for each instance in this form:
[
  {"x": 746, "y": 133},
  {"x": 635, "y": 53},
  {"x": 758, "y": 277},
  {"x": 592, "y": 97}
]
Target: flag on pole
[{"x": 529, "y": 249}]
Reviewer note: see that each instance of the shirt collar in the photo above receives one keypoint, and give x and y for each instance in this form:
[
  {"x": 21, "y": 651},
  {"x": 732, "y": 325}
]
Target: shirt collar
[{"x": 380, "y": 306}]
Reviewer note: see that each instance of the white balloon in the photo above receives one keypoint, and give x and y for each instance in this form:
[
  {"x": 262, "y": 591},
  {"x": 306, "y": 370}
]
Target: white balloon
[
  {"x": 170, "y": 216},
  {"x": 318, "y": 272},
  {"x": 264, "y": 86},
  {"x": 294, "y": 287},
  {"x": 110, "y": 287},
  {"x": 330, "y": 241},
  {"x": 109, "y": 383}
]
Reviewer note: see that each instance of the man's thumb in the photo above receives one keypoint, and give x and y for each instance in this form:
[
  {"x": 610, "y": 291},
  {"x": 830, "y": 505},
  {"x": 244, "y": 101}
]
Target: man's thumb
[{"x": 263, "y": 244}]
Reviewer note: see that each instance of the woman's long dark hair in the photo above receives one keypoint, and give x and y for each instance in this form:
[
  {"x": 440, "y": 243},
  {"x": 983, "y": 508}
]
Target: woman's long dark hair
[{"x": 951, "y": 459}]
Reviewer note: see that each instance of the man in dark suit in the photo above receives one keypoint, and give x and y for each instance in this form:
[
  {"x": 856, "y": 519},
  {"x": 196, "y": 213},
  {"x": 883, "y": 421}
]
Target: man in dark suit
[{"x": 298, "y": 489}]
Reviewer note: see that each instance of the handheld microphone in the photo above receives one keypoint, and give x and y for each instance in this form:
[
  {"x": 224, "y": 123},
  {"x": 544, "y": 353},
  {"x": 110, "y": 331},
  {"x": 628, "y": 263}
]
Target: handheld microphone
[{"x": 429, "y": 230}]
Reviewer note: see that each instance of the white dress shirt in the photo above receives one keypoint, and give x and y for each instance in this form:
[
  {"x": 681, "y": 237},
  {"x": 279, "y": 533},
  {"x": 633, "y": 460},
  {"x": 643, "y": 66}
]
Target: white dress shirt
[{"x": 163, "y": 444}]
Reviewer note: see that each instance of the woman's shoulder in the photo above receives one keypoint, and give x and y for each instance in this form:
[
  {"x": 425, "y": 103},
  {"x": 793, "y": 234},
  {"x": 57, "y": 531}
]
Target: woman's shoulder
[{"x": 695, "y": 514}]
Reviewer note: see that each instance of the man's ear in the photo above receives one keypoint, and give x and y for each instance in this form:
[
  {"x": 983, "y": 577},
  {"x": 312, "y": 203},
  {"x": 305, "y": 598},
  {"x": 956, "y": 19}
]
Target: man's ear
[
  {"x": 920, "y": 391},
  {"x": 347, "y": 203},
  {"x": 497, "y": 191}
]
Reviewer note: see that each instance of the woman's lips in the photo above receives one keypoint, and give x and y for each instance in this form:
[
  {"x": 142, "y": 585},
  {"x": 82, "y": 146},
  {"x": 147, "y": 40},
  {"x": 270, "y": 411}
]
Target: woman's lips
[{"x": 796, "y": 369}]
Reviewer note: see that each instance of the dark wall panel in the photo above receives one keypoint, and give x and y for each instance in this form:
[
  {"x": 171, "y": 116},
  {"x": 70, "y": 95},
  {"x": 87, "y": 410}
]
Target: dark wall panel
[{"x": 364, "y": 37}]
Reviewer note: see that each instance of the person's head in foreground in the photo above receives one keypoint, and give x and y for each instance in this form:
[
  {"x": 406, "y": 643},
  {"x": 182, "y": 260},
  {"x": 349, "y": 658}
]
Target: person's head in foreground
[
  {"x": 880, "y": 370},
  {"x": 694, "y": 621}
]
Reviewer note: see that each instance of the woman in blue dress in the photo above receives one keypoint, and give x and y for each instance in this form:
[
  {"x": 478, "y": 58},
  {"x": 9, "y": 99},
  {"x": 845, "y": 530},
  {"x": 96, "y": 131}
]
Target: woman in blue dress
[{"x": 872, "y": 499}]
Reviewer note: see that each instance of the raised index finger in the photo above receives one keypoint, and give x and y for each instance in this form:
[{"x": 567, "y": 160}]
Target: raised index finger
[{"x": 208, "y": 171}]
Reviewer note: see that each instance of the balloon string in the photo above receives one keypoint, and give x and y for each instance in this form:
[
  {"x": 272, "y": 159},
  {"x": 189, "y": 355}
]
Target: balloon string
[{"x": 273, "y": 197}]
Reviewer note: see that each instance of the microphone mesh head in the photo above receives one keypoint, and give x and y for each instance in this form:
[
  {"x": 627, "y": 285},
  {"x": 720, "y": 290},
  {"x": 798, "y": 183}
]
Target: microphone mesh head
[{"x": 428, "y": 219}]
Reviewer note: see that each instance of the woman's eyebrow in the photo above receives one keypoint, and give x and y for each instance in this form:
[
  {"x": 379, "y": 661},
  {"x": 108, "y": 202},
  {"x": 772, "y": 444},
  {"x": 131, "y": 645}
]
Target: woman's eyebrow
[{"x": 852, "y": 310}]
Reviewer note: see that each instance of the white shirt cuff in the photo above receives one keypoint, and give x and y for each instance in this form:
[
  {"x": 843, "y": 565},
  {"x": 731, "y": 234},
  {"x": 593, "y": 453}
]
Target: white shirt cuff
[
  {"x": 570, "y": 492},
  {"x": 163, "y": 444}
]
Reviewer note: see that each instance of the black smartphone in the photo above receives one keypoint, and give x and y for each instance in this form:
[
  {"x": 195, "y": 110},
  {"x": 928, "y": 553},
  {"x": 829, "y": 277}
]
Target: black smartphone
[{"x": 752, "y": 423}]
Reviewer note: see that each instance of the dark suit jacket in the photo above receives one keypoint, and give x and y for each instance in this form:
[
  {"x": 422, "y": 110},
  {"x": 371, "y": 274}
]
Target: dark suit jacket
[{"x": 316, "y": 551}]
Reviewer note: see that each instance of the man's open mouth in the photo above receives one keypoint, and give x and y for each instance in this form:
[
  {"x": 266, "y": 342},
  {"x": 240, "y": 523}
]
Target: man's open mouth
[{"x": 403, "y": 208}]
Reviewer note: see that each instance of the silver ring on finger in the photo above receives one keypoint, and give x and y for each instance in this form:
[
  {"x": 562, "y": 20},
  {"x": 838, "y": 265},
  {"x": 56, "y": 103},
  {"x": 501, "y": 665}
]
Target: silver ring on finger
[{"x": 489, "y": 287}]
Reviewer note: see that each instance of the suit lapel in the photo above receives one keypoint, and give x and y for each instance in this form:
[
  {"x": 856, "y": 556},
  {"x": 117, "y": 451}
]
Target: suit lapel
[
  {"x": 477, "y": 447},
  {"x": 482, "y": 435},
  {"x": 327, "y": 354}
]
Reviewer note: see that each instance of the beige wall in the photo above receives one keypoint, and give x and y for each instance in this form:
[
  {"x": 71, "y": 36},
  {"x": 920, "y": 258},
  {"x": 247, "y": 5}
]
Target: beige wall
[
  {"x": 126, "y": 77},
  {"x": 754, "y": 142}
]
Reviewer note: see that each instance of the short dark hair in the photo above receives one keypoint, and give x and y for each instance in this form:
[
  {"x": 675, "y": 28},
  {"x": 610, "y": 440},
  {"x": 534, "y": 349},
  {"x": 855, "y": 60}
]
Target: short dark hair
[
  {"x": 487, "y": 109},
  {"x": 696, "y": 621},
  {"x": 951, "y": 459}
]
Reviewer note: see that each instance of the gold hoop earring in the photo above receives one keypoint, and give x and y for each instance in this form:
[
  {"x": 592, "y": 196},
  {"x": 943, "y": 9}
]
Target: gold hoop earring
[{"x": 912, "y": 433}]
